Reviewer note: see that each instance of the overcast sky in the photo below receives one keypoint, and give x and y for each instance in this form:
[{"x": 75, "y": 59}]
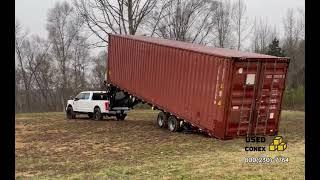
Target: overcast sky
[{"x": 32, "y": 13}]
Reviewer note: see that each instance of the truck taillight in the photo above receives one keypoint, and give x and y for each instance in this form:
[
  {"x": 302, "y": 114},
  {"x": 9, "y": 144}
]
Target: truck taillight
[{"x": 106, "y": 104}]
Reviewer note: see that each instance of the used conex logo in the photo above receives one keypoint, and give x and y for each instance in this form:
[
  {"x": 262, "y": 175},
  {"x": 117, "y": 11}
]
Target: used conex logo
[{"x": 278, "y": 144}]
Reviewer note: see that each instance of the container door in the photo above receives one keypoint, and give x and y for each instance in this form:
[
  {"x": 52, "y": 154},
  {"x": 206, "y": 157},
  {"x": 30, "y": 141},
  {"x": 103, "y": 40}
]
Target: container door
[
  {"x": 243, "y": 94},
  {"x": 269, "y": 98},
  {"x": 256, "y": 97}
]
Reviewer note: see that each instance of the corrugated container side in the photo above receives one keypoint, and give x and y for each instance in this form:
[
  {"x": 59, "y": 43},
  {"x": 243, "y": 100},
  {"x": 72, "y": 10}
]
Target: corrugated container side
[{"x": 184, "y": 83}]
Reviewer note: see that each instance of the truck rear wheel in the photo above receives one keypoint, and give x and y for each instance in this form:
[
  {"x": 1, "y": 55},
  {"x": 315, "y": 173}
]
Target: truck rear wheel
[
  {"x": 173, "y": 124},
  {"x": 97, "y": 114},
  {"x": 162, "y": 120}
]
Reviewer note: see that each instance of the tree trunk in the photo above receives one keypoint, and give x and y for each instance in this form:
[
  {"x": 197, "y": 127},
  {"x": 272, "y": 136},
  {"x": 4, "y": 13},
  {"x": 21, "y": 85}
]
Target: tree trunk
[{"x": 130, "y": 20}]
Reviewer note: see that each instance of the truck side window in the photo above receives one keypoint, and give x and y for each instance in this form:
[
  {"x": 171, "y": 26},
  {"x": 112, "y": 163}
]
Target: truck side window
[
  {"x": 94, "y": 96},
  {"x": 79, "y": 96},
  {"x": 86, "y": 96},
  {"x": 99, "y": 96}
]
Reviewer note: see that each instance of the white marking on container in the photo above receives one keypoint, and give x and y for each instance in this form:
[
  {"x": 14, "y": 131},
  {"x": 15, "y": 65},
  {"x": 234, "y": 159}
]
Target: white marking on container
[
  {"x": 273, "y": 107},
  {"x": 262, "y": 107},
  {"x": 271, "y": 115},
  {"x": 273, "y": 100},
  {"x": 279, "y": 76},
  {"x": 250, "y": 79}
]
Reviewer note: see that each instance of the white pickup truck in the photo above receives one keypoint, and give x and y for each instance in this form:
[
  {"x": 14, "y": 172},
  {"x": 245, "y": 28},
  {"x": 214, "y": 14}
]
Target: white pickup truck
[{"x": 94, "y": 103}]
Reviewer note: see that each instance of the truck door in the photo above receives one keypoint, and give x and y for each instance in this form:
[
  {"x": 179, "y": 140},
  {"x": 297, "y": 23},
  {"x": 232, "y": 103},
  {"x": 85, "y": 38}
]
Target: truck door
[
  {"x": 85, "y": 103},
  {"x": 76, "y": 104},
  {"x": 80, "y": 102}
]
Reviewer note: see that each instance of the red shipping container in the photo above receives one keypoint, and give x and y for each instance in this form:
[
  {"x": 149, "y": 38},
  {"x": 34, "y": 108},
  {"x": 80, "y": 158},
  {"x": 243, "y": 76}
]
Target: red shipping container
[{"x": 226, "y": 93}]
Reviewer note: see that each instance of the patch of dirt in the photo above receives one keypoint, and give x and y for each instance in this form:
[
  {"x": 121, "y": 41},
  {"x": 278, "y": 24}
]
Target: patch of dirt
[
  {"x": 22, "y": 118},
  {"x": 26, "y": 174},
  {"x": 19, "y": 144}
]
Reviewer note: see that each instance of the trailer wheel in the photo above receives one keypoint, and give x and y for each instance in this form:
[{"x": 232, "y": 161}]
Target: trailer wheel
[
  {"x": 70, "y": 113},
  {"x": 97, "y": 114},
  {"x": 173, "y": 124},
  {"x": 162, "y": 120},
  {"x": 121, "y": 117}
]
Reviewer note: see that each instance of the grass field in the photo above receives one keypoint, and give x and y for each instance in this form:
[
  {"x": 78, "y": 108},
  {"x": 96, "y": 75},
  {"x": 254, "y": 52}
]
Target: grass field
[{"x": 50, "y": 147}]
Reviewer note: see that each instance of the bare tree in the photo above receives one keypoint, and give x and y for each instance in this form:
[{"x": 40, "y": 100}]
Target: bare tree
[
  {"x": 38, "y": 64},
  {"x": 292, "y": 29},
  {"x": 64, "y": 27},
  {"x": 293, "y": 46},
  {"x": 99, "y": 70},
  {"x": 222, "y": 19},
  {"x": 298, "y": 72},
  {"x": 159, "y": 12},
  {"x": 240, "y": 21},
  {"x": 20, "y": 54},
  {"x": 119, "y": 16},
  {"x": 300, "y": 77},
  {"x": 262, "y": 36},
  {"x": 32, "y": 64},
  {"x": 47, "y": 71},
  {"x": 183, "y": 20},
  {"x": 18, "y": 105},
  {"x": 301, "y": 22},
  {"x": 79, "y": 63}
]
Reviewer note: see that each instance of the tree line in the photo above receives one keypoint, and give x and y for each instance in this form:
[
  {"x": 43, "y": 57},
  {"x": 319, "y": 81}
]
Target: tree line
[{"x": 49, "y": 70}]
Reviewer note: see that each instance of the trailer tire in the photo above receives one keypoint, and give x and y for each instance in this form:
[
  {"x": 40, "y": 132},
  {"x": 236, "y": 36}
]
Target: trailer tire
[
  {"x": 121, "y": 117},
  {"x": 162, "y": 120},
  {"x": 70, "y": 113},
  {"x": 97, "y": 114},
  {"x": 173, "y": 124}
]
